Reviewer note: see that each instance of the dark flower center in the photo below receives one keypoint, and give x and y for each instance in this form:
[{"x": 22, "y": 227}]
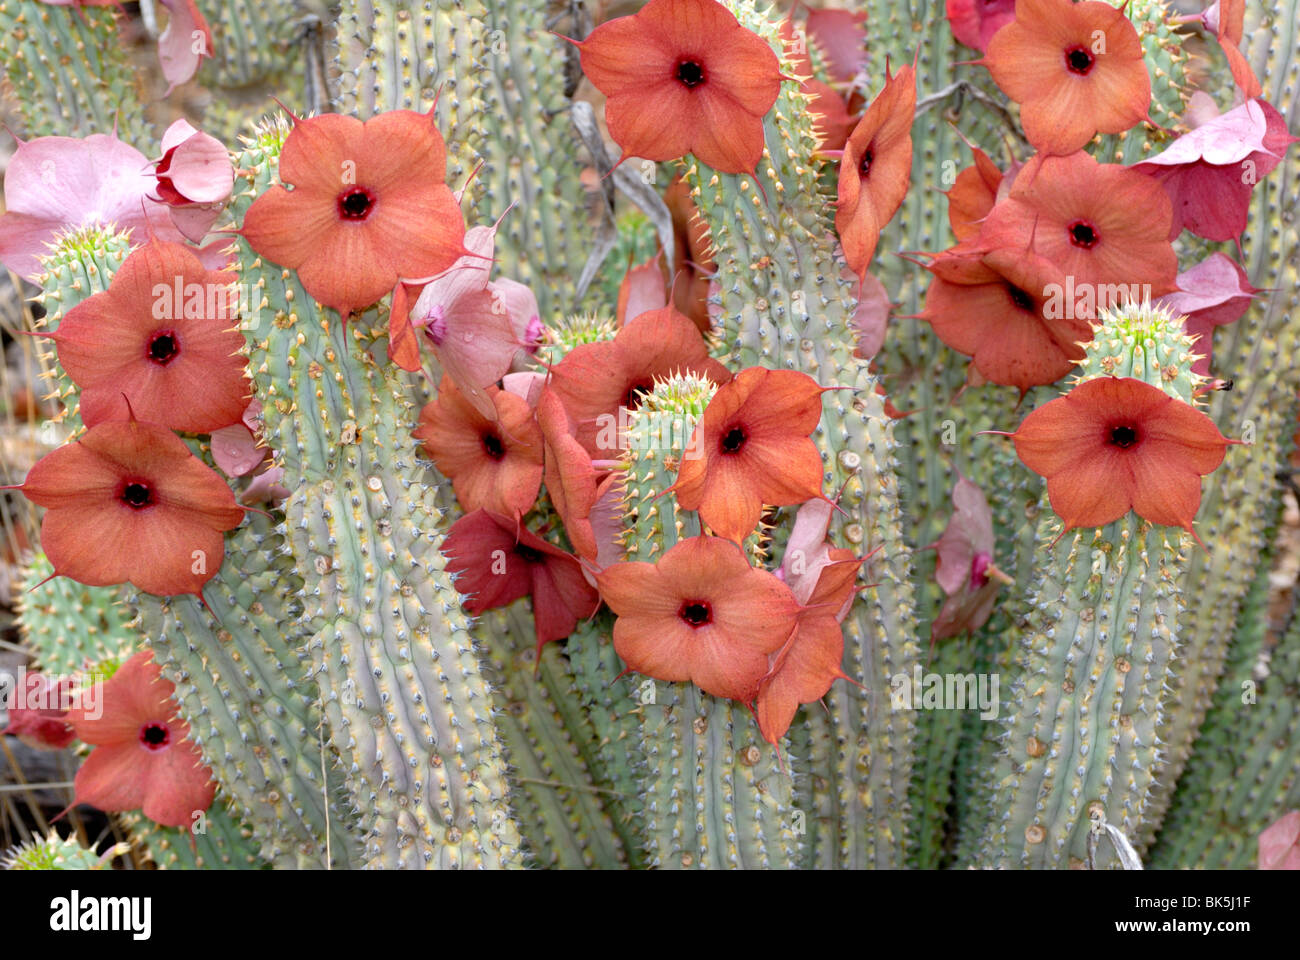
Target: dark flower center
[
  {"x": 528, "y": 553},
  {"x": 733, "y": 440},
  {"x": 155, "y": 736},
  {"x": 690, "y": 74},
  {"x": 1083, "y": 234},
  {"x": 696, "y": 613},
  {"x": 164, "y": 348},
  {"x": 494, "y": 447},
  {"x": 356, "y": 204},
  {"x": 1123, "y": 436},
  {"x": 864, "y": 165},
  {"x": 1079, "y": 60},
  {"x": 137, "y": 495},
  {"x": 636, "y": 393},
  {"x": 1021, "y": 299}
]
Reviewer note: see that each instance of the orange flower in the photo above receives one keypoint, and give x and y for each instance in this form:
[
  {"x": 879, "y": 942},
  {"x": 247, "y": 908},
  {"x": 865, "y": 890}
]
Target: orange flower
[
  {"x": 998, "y": 311},
  {"x": 804, "y": 669},
  {"x": 1111, "y": 445},
  {"x": 571, "y": 480},
  {"x": 129, "y": 502},
  {"x": 754, "y": 438},
  {"x": 1076, "y": 69},
  {"x": 598, "y": 380},
  {"x": 876, "y": 169},
  {"x": 1101, "y": 224},
  {"x": 368, "y": 206},
  {"x": 162, "y": 338},
  {"x": 973, "y": 195},
  {"x": 494, "y": 465},
  {"x": 701, "y": 614},
  {"x": 683, "y": 76},
  {"x": 143, "y": 758},
  {"x": 644, "y": 288}
]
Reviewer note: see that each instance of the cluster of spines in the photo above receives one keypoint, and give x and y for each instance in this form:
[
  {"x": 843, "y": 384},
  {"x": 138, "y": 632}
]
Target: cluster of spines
[
  {"x": 1147, "y": 343},
  {"x": 53, "y": 852}
]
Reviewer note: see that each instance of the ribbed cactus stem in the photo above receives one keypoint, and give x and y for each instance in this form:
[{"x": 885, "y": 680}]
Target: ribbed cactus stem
[
  {"x": 529, "y": 151},
  {"x": 406, "y": 705},
  {"x": 411, "y": 54},
  {"x": 610, "y": 702},
  {"x": 82, "y": 264},
  {"x": 71, "y": 73},
  {"x": 1238, "y": 508},
  {"x": 1245, "y": 772},
  {"x": 1091, "y": 681},
  {"x": 69, "y": 626},
  {"x": 223, "y": 843},
  {"x": 715, "y": 794},
  {"x": 557, "y": 804},
  {"x": 241, "y": 684},
  {"x": 244, "y": 685},
  {"x": 784, "y": 304}
]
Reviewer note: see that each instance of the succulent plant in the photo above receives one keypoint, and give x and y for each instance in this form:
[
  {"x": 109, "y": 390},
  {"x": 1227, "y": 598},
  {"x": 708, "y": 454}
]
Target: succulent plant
[{"x": 547, "y": 543}]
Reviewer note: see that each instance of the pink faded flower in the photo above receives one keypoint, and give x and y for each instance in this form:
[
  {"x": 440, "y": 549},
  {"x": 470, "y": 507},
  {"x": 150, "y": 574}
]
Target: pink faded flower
[
  {"x": 1279, "y": 844},
  {"x": 35, "y": 715},
  {"x": 235, "y": 448},
  {"x": 57, "y": 184},
  {"x": 179, "y": 50},
  {"x": 974, "y": 22},
  {"x": 525, "y": 383},
  {"x": 184, "y": 44},
  {"x": 870, "y": 319},
  {"x": 265, "y": 487},
  {"x": 520, "y": 304},
  {"x": 195, "y": 179},
  {"x": 1209, "y": 173},
  {"x": 465, "y": 321},
  {"x": 965, "y": 567},
  {"x": 1211, "y": 294},
  {"x": 807, "y": 553},
  {"x": 608, "y": 523}
]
